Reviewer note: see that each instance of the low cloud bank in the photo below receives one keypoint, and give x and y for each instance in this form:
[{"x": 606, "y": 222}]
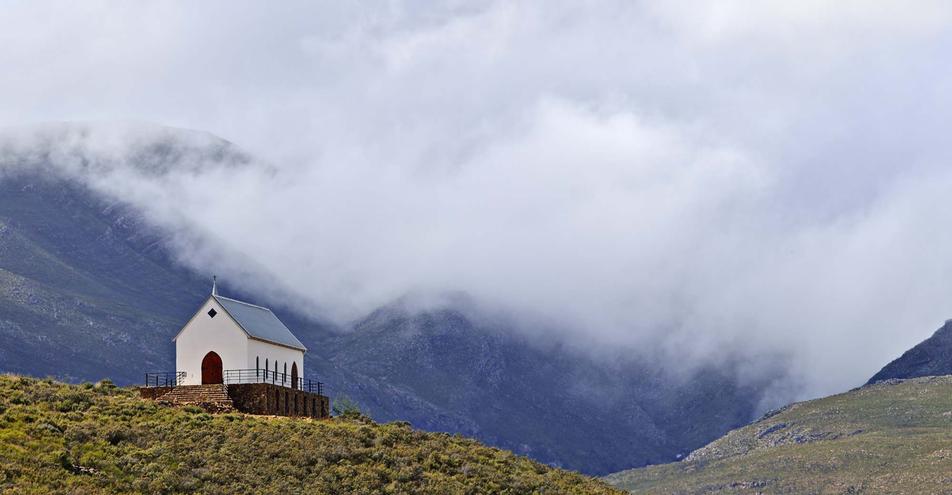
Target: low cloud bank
[{"x": 692, "y": 182}]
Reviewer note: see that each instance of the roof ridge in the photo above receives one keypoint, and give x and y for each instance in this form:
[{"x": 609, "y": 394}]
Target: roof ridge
[{"x": 242, "y": 302}]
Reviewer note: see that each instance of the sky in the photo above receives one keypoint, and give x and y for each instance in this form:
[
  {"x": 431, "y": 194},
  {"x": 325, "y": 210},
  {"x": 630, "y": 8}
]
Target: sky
[{"x": 687, "y": 179}]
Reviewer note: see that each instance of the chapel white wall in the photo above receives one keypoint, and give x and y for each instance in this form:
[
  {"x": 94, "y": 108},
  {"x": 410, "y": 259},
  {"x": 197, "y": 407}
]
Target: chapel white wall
[
  {"x": 203, "y": 334},
  {"x": 274, "y": 353}
]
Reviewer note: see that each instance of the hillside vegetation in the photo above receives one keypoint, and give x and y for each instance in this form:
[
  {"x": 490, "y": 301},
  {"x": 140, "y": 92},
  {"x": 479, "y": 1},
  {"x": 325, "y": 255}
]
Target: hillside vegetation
[
  {"x": 889, "y": 437},
  {"x": 92, "y": 439}
]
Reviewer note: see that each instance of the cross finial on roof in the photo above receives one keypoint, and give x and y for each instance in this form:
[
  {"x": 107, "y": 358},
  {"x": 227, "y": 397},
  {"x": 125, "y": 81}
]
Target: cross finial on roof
[{"x": 214, "y": 285}]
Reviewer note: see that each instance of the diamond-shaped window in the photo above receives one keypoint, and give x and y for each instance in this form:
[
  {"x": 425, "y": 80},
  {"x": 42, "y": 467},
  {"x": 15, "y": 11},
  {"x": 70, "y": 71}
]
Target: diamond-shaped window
[{"x": 212, "y": 313}]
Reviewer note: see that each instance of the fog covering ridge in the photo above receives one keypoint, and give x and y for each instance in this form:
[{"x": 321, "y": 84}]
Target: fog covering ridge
[{"x": 688, "y": 182}]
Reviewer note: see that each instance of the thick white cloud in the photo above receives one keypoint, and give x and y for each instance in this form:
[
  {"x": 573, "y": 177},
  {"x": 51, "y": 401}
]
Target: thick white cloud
[{"x": 703, "y": 179}]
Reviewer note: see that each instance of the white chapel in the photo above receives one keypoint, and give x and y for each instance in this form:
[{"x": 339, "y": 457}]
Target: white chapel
[{"x": 229, "y": 341}]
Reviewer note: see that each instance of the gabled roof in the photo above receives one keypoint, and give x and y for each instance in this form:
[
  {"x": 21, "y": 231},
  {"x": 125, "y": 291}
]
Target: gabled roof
[{"x": 259, "y": 322}]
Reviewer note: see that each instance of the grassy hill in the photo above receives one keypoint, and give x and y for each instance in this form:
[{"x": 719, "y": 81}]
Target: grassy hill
[
  {"x": 91, "y": 439},
  {"x": 888, "y": 437}
]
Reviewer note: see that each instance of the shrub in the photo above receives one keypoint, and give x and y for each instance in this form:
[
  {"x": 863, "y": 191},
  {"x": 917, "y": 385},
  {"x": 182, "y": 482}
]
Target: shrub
[{"x": 346, "y": 407}]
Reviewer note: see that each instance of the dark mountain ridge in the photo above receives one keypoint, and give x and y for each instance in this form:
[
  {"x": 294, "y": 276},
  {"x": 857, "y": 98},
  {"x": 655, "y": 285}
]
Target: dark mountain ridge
[
  {"x": 550, "y": 403},
  {"x": 931, "y": 357},
  {"x": 85, "y": 290}
]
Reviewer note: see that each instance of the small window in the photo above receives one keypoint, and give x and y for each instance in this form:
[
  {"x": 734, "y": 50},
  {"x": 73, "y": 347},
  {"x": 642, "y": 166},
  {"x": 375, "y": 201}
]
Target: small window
[{"x": 212, "y": 313}]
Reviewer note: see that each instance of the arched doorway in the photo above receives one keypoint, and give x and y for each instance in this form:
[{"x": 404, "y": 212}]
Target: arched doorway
[
  {"x": 211, "y": 368},
  {"x": 294, "y": 376}
]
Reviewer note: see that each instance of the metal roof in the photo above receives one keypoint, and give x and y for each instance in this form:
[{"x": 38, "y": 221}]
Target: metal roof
[{"x": 259, "y": 323}]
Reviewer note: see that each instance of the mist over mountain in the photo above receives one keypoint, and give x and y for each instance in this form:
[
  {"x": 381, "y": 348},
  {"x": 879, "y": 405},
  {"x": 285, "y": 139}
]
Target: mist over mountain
[
  {"x": 276, "y": 234},
  {"x": 88, "y": 291},
  {"x": 669, "y": 180},
  {"x": 597, "y": 234},
  {"x": 91, "y": 286},
  {"x": 442, "y": 369}
]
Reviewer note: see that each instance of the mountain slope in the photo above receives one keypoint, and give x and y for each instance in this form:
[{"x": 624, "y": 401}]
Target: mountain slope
[
  {"x": 440, "y": 367},
  {"x": 889, "y": 437},
  {"x": 57, "y": 438},
  {"x": 931, "y": 357},
  {"x": 86, "y": 291},
  {"x": 88, "y": 287}
]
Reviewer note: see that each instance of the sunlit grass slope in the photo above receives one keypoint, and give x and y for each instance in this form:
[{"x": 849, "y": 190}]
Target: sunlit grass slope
[
  {"x": 892, "y": 437},
  {"x": 91, "y": 439}
]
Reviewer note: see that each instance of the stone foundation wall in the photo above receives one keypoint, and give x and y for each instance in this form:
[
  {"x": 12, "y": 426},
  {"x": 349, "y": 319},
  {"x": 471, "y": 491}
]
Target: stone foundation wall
[
  {"x": 153, "y": 392},
  {"x": 265, "y": 398}
]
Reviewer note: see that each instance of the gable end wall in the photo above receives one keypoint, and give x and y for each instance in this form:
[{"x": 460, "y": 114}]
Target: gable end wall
[{"x": 203, "y": 334}]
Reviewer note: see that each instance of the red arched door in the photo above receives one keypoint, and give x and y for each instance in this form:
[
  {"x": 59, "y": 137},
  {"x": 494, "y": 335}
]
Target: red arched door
[
  {"x": 211, "y": 368},
  {"x": 294, "y": 376}
]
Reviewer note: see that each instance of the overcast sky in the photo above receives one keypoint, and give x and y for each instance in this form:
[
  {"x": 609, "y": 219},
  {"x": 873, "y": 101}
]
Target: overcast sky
[{"x": 766, "y": 177}]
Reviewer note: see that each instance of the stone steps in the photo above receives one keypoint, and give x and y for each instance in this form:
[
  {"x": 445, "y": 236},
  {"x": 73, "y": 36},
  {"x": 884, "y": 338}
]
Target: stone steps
[{"x": 212, "y": 398}]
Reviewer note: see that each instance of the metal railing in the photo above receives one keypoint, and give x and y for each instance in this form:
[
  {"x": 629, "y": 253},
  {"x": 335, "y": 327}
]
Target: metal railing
[
  {"x": 274, "y": 378},
  {"x": 165, "y": 379}
]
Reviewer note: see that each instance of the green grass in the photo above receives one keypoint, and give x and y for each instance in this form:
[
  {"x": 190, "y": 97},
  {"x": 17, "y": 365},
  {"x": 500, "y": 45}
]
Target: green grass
[
  {"x": 884, "y": 438},
  {"x": 98, "y": 439}
]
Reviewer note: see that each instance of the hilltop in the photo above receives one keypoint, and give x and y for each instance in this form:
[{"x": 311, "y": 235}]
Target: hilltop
[
  {"x": 889, "y": 437},
  {"x": 92, "y": 439}
]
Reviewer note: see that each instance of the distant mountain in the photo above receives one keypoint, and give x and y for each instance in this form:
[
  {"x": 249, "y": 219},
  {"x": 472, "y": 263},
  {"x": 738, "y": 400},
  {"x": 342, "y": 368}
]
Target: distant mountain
[
  {"x": 889, "y": 437},
  {"x": 931, "y": 357},
  {"x": 88, "y": 289},
  {"x": 57, "y": 438},
  {"x": 441, "y": 370}
]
